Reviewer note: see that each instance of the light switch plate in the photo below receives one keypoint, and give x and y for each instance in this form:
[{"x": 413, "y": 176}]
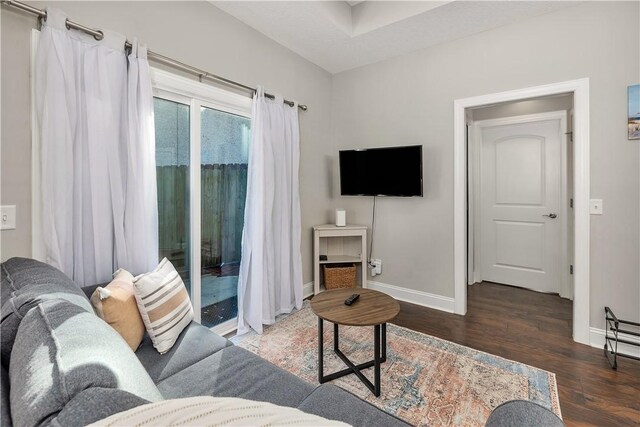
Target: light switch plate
[
  {"x": 595, "y": 207},
  {"x": 8, "y": 217}
]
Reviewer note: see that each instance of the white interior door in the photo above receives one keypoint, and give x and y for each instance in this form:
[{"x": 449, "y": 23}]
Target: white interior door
[{"x": 520, "y": 205}]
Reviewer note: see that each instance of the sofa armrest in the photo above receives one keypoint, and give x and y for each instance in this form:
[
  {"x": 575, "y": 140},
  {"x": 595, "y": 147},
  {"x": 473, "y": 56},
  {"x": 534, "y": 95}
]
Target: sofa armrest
[{"x": 522, "y": 413}]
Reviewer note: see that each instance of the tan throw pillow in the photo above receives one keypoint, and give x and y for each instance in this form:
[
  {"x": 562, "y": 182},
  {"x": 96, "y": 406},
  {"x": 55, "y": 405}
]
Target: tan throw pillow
[
  {"x": 164, "y": 304},
  {"x": 214, "y": 411},
  {"x": 116, "y": 305}
]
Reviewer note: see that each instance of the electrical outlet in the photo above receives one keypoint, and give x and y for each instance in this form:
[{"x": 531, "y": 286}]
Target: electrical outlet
[
  {"x": 8, "y": 217},
  {"x": 377, "y": 266},
  {"x": 595, "y": 207}
]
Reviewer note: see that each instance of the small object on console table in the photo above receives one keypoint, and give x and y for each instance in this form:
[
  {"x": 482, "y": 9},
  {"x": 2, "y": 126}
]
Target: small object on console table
[
  {"x": 353, "y": 298},
  {"x": 323, "y": 258}
]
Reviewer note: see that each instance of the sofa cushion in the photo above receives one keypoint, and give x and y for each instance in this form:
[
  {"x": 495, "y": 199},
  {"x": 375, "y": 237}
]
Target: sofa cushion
[
  {"x": 27, "y": 272},
  {"x": 116, "y": 305},
  {"x": 95, "y": 404},
  {"x": 236, "y": 372},
  {"x": 6, "y": 284},
  {"x": 194, "y": 344},
  {"x": 5, "y": 410},
  {"x": 61, "y": 350},
  {"x": 335, "y": 403},
  {"x": 27, "y": 282}
]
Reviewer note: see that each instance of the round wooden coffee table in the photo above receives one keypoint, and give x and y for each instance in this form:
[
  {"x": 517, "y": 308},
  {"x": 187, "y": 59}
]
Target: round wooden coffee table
[{"x": 373, "y": 308}]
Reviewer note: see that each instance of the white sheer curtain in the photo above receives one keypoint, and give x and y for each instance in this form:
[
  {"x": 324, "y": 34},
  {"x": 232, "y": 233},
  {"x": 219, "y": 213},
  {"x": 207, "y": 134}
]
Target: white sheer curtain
[
  {"x": 141, "y": 213},
  {"x": 92, "y": 150},
  {"x": 270, "y": 281}
]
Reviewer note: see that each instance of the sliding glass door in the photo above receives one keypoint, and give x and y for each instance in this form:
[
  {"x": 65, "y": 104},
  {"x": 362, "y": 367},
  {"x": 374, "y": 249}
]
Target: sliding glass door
[
  {"x": 201, "y": 209},
  {"x": 224, "y": 156},
  {"x": 172, "y": 174}
]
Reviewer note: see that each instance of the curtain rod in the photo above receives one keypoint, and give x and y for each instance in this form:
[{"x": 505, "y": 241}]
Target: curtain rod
[{"x": 98, "y": 35}]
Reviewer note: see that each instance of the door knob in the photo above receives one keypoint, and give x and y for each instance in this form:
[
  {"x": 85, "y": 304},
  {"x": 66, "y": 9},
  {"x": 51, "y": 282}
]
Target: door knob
[{"x": 552, "y": 216}]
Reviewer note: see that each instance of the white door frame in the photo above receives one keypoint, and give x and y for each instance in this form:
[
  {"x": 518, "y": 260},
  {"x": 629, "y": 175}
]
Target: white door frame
[
  {"x": 187, "y": 91},
  {"x": 475, "y": 195},
  {"x": 581, "y": 185}
]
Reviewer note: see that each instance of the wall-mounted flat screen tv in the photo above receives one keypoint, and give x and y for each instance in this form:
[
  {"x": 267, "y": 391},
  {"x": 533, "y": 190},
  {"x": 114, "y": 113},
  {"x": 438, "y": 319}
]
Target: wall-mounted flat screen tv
[{"x": 389, "y": 171}]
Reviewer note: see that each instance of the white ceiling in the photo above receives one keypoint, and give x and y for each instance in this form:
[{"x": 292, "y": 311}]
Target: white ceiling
[{"x": 340, "y": 35}]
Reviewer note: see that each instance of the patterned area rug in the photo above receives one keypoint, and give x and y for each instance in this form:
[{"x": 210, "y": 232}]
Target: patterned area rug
[{"x": 425, "y": 380}]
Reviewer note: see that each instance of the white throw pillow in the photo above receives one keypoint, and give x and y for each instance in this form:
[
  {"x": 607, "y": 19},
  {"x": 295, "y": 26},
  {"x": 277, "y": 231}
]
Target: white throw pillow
[
  {"x": 214, "y": 411},
  {"x": 164, "y": 305}
]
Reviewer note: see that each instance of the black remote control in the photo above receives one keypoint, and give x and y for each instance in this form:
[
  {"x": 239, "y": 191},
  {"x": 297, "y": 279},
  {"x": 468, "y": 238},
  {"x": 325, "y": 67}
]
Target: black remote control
[{"x": 353, "y": 298}]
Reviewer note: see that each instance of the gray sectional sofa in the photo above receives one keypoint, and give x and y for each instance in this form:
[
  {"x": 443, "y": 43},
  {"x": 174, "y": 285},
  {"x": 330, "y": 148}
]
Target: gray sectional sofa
[{"x": 63, "y": 366}]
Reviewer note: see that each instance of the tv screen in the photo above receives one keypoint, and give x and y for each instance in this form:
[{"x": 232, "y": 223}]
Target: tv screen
[{"x": 391, "y": 171}]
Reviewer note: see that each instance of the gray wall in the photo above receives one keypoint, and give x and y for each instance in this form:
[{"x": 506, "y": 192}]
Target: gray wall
[
  {"x": 196, "y": 33},
  {"x": 409, "y": 100}
]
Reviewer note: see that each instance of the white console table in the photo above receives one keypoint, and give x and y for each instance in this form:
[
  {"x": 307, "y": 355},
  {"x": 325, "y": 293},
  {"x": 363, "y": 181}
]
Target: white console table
[{"x": 341, "y": 245}]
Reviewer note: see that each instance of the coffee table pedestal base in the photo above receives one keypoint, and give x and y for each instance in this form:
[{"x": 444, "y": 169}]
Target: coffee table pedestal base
[{"x": 380, "y": 356}]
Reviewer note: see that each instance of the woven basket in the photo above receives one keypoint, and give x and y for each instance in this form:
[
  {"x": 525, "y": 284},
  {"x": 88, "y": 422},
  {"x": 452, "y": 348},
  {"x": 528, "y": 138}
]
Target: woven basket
[{"x": 339, "y": 276}]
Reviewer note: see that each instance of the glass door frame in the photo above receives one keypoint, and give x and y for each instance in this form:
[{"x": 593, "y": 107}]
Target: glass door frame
[{"x": 198, "y": 95}]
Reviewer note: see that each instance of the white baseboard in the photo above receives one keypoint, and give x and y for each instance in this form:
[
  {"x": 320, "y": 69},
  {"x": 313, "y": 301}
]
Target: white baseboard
[
  {"x": 596, "y": 339},
  {"x": 424, "y": 299},
  {"x": 307, "y": 290}
]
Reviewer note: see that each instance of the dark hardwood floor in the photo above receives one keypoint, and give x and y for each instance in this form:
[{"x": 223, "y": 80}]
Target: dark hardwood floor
[{"x": 535, "y": 329}]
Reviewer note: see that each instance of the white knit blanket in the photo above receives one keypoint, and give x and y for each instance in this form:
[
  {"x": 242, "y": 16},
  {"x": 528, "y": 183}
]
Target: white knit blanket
[{"x": 214, "y": 411}]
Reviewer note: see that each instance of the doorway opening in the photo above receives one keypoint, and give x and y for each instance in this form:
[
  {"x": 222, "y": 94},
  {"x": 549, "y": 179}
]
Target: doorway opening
[
  {"x": 520, "y": 194},
  {"x": 526, "y": 177}
]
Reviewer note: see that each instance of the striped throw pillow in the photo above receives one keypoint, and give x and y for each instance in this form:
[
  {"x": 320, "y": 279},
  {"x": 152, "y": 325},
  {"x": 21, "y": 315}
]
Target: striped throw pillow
[{"x": 164, "y": 304}]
